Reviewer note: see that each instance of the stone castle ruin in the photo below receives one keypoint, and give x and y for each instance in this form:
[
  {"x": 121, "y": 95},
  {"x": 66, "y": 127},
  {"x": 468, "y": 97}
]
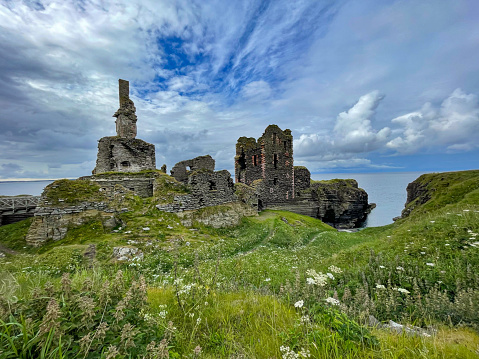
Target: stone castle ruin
[
  {"x": 207, "y": 187},
  {"x": 267, "y": 162},
  {"x": 124, "y": 152},
  {"x": 266, "y": 167},
  {"x": 265, "y": 177}
]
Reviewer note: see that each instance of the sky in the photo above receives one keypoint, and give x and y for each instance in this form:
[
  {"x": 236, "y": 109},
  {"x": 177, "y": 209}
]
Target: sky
[{"x": 365, "y": 86}]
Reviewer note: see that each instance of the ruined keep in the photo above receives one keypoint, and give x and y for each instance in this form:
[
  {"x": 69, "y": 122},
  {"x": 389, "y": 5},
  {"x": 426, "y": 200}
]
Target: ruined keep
[
  {"x": 267, "y": 162},
  {"x": 124, "y": 152},
  {"x": 267, "y": 178}
]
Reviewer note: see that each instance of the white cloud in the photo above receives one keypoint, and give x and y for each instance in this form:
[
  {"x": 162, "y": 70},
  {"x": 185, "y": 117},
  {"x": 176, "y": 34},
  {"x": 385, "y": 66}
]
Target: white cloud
[
  {"x": 352, "y": 134},
  {"x": 353, "y": 130},
  {"x": 256, "y": 90},
  {"x": 453, "y": 125}
]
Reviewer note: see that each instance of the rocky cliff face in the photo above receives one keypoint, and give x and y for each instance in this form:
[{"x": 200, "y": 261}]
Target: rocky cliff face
[
  {"x": 417, "y": 194},
  {"x": 339, "y": 203}
]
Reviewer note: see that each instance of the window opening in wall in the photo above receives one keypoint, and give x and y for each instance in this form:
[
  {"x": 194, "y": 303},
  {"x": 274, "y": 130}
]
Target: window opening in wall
[
  {"x": 132, "y": 189},
  {"x": 275, "y": 161},
  {"x": 275, "y": 181},
  {"x": 285, "y": 143},
  {"x": 125, "y": 164},
  {"x": 274, "y": 138},
  {"x": 255, "y": 160},
  {"x": 213, "y": 186},
  {"x": 242, "y": 161}
]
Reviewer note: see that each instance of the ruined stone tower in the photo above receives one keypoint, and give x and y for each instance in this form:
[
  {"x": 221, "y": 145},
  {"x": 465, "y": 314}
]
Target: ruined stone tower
[
  {"x": 267, "y": 164},
  {"x": 125, "y": 116},
  {"x": 124, "y": 153}
]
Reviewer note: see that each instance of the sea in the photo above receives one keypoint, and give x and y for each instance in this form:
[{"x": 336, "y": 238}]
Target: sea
[{"x": 387, "y": 190}]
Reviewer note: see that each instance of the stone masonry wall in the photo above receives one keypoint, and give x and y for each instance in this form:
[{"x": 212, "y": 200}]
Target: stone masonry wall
[
  {"x": 269, "y": 159},
  {"x": 124, "y": 155},
  {"x": 140, "y": 186},
  {"x": 208, "y": 188},
  {"x": 302, "y": 178},
  {"x": 126, "y": 114},
  {"x": 181, "y": 170},
  {"x": 52, "y": 223}
]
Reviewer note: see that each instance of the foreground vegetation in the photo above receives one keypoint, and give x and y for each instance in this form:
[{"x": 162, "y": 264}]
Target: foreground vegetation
[{"x": 279, "y": 285}]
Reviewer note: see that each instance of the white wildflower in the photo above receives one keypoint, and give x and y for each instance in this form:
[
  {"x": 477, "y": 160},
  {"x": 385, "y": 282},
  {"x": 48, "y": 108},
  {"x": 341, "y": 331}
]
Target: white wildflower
[
  {"x": 192, "y": 315},
  {"x": 330, "y": 275},
  {"x": 335, "y": 269},
  {"x": 163, "y": 314},
  {"x": 304, "y": 319},
  {"x": 380, "y": 286},
  {"x": 319, "y": 279},
  {"x": 430, "y": 264},
  {"x": 198, "y": 321},
  {"x": 399, "y": 268},
  {"x": 432, "y": 221},
  {"x": 332, "y": 301},
  {"x": 382, "y": 267},
  {"x": 465, "y": 210},
  {"x": 402, "y": 290},
  {"x": 299, "y": 304},
  {"x": 304, "y": 353},
  {"x": 423, "y": 252},
  {"x": 267, "y": 279}
]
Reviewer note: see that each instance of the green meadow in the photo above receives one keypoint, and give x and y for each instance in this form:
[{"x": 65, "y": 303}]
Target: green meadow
[{"x": 279, "y": 285}]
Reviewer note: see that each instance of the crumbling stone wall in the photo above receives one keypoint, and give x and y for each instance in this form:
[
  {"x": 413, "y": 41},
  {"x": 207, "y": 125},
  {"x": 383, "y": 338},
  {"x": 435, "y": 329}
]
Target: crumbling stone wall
[
  {"x": 207, "y": 188},
  {"x": 126, "y": 114},
  {"x": 182, "y": 169},
  {"x": 124, "y": 153},
  {"x": 117, "y": 154},
  {"x": 302, "y": 179},
  {"x": 52, "y": 223},
  {"x": 270, "y": 159},
  {"x": 141, "y": 186}
]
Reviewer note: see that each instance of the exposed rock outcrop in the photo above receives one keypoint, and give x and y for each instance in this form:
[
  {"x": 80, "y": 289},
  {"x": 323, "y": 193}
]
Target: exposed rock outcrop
[
  {"x": 417, "y": 194},
  {"x": 339, "y": 203}
]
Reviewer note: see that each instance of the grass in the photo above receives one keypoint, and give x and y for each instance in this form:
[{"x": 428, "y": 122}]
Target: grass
[
  {"x": 66, "y": 192},
  {"x": 235, "y": 292}
]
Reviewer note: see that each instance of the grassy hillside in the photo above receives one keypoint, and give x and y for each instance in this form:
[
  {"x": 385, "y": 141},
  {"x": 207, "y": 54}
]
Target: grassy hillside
[{"x": 279, "y": 285}]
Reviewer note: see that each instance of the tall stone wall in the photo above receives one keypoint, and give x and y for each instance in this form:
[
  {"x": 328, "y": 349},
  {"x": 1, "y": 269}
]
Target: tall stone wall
[
  {"x": 124, "y": 155},
  {"x": 269, "y": 159},
  {"x": 181, "y": 170},
  {"x": 126, "y": 114}
]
